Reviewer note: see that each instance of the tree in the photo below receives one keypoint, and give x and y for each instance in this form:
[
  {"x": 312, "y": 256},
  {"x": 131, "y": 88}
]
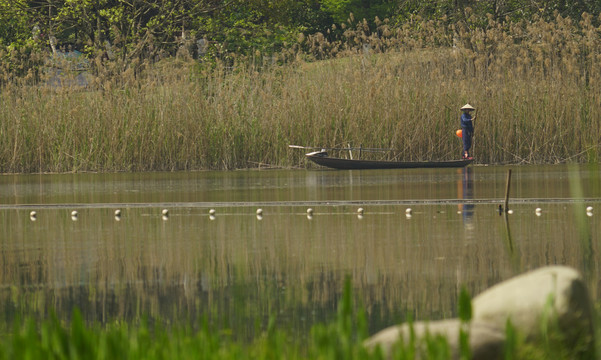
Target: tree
[
  {"x": 15, "y": 25},
  {"x": 361, "y": 9}
]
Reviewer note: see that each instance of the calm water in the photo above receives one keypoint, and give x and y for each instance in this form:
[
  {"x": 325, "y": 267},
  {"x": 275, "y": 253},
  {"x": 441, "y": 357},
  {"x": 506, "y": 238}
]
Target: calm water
[{"x": 237, "y": 269}]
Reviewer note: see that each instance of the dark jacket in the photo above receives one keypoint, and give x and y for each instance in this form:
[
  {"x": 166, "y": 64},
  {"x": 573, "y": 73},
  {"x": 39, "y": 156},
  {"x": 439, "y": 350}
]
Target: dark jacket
[{"x": 466, "y": 122}]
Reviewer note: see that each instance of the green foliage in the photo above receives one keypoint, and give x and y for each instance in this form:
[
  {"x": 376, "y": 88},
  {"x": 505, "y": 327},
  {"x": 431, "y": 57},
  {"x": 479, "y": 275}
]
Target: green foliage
[
  {"x": 465, "y": 306},
  {"x": 340, "y": 339},
  {"x": 15, "y": 25},
  {"x": 19, "y": 42},
  {"x": 342, "y": 11},
  {"x": 465, "y": 315},
  {"x": 244, "y": 28},
  {"x": 516, "y": 10},
  {"x": 512, "y": 341},
  {"x": 148, "y": 29}
]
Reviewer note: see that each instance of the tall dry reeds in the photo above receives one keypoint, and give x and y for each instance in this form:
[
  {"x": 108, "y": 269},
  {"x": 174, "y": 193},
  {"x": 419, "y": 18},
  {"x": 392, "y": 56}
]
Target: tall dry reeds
[{"x": 536, "y": 86}]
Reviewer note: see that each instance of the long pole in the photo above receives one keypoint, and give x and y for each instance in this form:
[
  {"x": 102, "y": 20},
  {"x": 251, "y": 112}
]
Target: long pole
[
  {"x": 507, "y": 187},
  {"x": 474, "y": 133},
  {"x": 340, "y": 148}
]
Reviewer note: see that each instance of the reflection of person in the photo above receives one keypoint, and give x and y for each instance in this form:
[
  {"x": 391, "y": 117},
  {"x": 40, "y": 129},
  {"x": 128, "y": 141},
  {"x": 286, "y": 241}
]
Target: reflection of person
[
  {"x": 467, "y": 129},
  {"x": 466, "y": 192}
]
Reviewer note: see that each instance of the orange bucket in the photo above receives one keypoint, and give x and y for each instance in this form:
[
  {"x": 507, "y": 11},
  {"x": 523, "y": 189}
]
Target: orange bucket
[{"x": 459, "y": 133}]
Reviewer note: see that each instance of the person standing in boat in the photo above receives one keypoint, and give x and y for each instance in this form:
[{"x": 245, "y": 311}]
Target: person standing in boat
[{"x": 467, "y": 129}]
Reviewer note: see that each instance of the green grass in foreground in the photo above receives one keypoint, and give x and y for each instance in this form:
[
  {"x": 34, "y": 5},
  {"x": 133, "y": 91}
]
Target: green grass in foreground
[{"x": 341, "y": 339}]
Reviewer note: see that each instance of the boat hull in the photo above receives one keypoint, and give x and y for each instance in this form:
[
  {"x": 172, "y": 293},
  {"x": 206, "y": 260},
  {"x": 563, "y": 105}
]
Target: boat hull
[{"x": 351, "y": 164}]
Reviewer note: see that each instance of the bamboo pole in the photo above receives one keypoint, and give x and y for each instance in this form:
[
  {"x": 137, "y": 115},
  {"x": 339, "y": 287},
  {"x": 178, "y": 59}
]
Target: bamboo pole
[{"x": 507, "y": 187}]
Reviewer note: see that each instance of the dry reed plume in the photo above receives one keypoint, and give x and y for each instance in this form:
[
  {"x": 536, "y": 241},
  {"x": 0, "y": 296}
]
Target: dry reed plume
[{"x": 535, "y": 85}]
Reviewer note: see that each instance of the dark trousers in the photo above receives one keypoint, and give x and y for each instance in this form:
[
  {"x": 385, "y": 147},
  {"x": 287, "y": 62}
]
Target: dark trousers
[{"x": 467, "y": 139}]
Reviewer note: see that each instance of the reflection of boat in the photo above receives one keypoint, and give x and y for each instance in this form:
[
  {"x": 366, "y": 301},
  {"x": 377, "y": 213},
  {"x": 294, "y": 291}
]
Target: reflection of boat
[{"x": 322, "y": 158}]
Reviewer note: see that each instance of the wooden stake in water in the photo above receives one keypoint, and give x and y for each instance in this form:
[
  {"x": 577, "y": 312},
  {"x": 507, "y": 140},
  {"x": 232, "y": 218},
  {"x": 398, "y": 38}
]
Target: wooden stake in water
[{"x": 507, "y": 189}]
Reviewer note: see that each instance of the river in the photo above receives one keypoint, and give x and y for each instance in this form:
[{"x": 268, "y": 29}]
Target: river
[{"x": 237, "y": 247}]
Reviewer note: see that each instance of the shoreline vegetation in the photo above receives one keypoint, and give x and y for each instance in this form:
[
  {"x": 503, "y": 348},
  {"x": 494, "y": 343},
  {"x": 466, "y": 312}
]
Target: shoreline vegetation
[
  {"x": 342, "y": 338},
  {"x": 535, "y": 85}
]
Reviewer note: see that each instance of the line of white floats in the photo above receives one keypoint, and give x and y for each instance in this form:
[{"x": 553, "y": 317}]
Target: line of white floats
[{"x": 212, "y": 213}]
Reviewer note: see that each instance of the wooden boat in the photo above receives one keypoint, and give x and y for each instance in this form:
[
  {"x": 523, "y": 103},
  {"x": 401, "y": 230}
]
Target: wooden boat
[{"x": 322, "y": 158}]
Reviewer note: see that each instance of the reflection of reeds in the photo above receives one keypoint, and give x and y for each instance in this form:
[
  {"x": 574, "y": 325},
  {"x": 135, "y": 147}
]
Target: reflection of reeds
[
  {"x": 535, "y": 85},
  {"x": 237, "y": 268}
]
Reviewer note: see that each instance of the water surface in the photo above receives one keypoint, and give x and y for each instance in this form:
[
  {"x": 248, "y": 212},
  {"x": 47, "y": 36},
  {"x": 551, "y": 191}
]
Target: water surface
[{"x": 237, "y": 269}]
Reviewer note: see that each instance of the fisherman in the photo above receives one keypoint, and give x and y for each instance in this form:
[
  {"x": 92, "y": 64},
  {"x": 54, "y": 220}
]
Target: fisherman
[{"x": 467, "y": 129}]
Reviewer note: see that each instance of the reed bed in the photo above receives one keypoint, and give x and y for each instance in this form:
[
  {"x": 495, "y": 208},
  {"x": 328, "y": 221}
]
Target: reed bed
[{"x": 535, "y": 85}]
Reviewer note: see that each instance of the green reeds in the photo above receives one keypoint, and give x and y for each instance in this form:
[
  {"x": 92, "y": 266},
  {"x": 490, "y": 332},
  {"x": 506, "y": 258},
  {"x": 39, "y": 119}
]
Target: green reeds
[
  {"x": 340, "y": 339},
  {"x": 535, "y": 86}
]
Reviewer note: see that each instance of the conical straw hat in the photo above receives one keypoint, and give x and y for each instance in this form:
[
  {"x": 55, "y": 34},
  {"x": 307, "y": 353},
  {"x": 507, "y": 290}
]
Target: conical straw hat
[{"x": 467, "y": 107}]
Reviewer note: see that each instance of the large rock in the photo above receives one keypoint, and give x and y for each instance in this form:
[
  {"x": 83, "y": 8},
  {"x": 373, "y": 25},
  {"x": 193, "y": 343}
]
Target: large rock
[
  {"x": 553, "y": 297},
  {"x": 549, "y": 301},
  {"x": 486, "y": 341}
]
